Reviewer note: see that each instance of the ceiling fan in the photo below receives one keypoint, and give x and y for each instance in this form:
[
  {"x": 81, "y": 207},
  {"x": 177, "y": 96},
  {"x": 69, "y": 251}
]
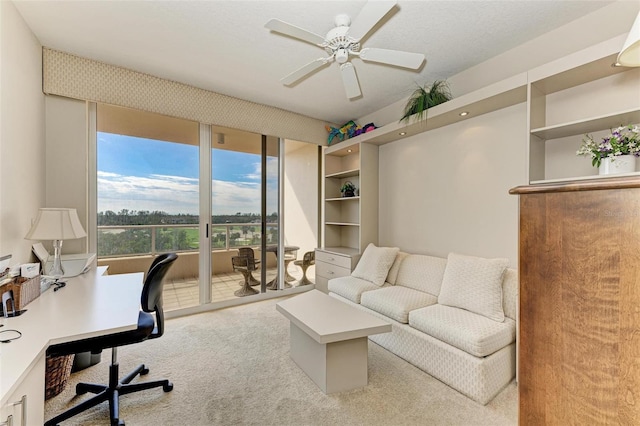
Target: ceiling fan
[{"x": 343, "y": 42}]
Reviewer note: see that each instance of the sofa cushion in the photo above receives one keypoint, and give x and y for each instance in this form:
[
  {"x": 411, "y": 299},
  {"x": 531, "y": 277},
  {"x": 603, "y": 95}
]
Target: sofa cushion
[
  {"x": 350, "y": 287},
  {"x": 395, "y": 268},
  {"x": 396, "y": 302},
  {"x": 421, "y": 272},
  {"x": 375, "y": 263},
  {"x": 474, "y": 284},
  {"x": 467, "y": 331}
]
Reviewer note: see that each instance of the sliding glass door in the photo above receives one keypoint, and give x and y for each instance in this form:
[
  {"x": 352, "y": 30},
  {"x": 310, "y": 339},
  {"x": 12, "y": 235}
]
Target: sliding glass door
[{"x": 212, "y": 194}]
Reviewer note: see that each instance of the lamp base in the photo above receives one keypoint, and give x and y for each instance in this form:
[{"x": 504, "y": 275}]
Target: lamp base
[{"x": 56, "y": 269}]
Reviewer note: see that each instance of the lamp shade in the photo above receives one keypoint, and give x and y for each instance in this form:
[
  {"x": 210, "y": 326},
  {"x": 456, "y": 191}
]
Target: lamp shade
[
  {"x": 630, "y": 54},
  {"x": 56, "y": 224}
]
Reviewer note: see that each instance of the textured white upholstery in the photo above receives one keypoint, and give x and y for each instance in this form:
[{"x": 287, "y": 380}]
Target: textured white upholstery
[
  {"x": 395, "y": 268},
  {"x": 475, "y": 284},
  {"x": 473, "y": 333},
  {"x": 471, "y": 353},
  {"x": 396, "y": 302},
  {"x": 479, "y": 378},
  {"x": 374, "y": 264},
  {"x": 422, "y": 273},
  {"x": 351, "y": 287}
]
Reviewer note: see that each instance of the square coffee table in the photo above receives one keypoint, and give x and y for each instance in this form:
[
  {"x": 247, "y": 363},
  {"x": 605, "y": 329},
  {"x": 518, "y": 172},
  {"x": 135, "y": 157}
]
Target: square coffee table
[{"x": 329, "y": 339}]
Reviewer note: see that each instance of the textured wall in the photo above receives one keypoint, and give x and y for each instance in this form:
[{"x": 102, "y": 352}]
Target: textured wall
[{"x": 80, "y": 78}]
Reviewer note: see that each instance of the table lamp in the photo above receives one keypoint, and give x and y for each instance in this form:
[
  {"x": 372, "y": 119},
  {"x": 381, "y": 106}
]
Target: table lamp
[{"x": 56, "y": 224}]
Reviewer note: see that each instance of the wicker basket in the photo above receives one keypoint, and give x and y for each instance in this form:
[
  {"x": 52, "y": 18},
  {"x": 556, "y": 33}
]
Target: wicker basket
[
  {"x": 24, "y": 290},
  {"x": 57, "y": 374}
]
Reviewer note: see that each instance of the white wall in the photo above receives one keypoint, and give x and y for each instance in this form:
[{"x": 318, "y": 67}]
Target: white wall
[
  {"x": 67, "y": 161},
  {"x": 446, "y": 190},
  {"x": 301, "y": 196},
  {"x": 22, "y": 136}
]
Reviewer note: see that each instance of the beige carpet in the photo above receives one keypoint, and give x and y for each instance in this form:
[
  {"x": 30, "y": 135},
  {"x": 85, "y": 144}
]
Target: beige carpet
[{"x": 232, "y": 367}]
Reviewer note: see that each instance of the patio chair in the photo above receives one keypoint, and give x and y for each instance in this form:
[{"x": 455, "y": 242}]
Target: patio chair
[
  {"x": 242, "y": 264},
  {"x": 253, "y": 264},
  {"x": 308, "y": 259}
]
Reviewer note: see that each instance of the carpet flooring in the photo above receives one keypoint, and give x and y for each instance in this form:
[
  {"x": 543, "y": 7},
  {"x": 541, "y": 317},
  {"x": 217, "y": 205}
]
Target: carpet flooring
[{"x": 232, "y": 367}]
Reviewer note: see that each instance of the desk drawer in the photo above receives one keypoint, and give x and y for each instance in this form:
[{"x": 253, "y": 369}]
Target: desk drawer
[
  {"x": 329, "y": 271},
  {"x": 333, "y": 259}
]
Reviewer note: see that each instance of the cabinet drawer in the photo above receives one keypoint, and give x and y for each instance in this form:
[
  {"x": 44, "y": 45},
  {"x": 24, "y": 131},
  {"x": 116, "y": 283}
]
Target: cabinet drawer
[
  {"x": 333, "y": 259},
  {"x": 329, "y": 271}
]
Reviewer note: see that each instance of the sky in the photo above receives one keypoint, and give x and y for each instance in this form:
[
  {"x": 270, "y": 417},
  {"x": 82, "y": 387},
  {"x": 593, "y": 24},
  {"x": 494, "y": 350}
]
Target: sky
[{"x": 145, "y": 174}]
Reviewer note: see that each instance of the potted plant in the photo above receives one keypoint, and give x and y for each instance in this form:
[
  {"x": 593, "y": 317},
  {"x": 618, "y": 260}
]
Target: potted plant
[
  {"x": 424, "y": 98},
  {"x": 616, "y": 153},
  {"x": 348, "y": 189}
]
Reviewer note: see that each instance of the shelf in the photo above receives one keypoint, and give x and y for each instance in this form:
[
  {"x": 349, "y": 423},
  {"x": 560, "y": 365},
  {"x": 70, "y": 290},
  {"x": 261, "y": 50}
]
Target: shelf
[
  {"x": 502, "y": 94},
  {"x": 341, "y": 251},
  {"x": 342, "y": 224},
  {"x": 343, "y": 198},
  {"x": 344, "y": 174},
  {"x": 580, "y": 178},
  {"x": 588, "y": 125},
  {"x": 592, "y": 63}
]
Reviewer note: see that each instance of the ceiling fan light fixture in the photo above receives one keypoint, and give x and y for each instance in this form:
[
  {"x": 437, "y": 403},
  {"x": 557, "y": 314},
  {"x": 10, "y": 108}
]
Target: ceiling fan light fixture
[{"x": 342, "y": 56}]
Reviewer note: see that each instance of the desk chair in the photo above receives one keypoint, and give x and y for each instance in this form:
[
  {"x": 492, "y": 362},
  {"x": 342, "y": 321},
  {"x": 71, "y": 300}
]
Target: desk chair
[
  {"x": 308, "y": 259},
  {"x": 151, "y": 301},
  {"x": 253, "y": 264}
]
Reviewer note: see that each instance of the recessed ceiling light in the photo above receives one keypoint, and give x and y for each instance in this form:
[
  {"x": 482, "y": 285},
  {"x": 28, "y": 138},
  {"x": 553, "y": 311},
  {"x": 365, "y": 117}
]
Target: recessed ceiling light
[
  {"x": 402, "y": 133},
  {"x": 348, "y": 150},
  {"x": 463, "y": 113}
]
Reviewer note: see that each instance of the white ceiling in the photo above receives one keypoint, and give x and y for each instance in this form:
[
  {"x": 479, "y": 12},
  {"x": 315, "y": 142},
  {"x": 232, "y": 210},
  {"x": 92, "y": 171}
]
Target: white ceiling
[{"x": 223, "y": 46}]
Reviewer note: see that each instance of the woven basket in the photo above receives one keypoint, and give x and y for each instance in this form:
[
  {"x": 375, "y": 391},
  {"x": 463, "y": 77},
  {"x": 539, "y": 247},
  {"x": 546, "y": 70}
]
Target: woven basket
[
  {"x": 57, "y": 374},
  {"x": 24, "y": 290}
]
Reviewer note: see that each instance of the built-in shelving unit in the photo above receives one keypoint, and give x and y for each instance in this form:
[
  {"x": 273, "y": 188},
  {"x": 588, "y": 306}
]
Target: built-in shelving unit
[
  {"x": 576, "y": 95},
  {"x": 502, "y": 94}
]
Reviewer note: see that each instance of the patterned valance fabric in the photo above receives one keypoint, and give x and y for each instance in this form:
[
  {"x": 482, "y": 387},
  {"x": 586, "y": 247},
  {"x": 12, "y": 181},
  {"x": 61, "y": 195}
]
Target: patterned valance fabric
[{"x": 80, "y": 78}]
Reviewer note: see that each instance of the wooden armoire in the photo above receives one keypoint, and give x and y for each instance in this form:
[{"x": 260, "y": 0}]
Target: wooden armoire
[{"x": 579, "y": 335}]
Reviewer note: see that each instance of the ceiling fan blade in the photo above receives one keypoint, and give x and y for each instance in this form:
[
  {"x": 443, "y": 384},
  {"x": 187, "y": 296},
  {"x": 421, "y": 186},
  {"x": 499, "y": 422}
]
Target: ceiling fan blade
[
  {"x": 293, "y": 31},
  {"x": 350, "y": 80},
  {"x": 371, "y": 13},
  {"x": 304, "y": 71},
  {"x": 393, "y": 57}
]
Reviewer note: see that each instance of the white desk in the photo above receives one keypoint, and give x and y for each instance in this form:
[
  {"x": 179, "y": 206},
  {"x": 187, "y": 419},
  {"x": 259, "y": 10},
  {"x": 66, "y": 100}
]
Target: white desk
[{"x": 89, "y": 305}]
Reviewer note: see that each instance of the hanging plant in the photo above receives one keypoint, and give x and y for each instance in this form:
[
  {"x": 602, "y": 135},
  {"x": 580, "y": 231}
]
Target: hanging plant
[{"x": 424, "y": 98}]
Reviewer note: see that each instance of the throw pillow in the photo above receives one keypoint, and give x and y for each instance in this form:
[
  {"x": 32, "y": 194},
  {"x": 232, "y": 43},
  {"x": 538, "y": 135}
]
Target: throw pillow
[
  {"x": 375, "y": 263},
  {"x": 395, "y": 268},
  {"x": 474, "y": 284}
]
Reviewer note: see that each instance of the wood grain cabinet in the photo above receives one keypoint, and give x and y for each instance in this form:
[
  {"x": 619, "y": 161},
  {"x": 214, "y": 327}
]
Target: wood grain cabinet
[{"x": 579, "y": 347}]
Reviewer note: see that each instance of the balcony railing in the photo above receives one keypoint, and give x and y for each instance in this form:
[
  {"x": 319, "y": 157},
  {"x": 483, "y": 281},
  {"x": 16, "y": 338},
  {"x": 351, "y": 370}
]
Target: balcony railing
[{"x": 132, "y": 240}]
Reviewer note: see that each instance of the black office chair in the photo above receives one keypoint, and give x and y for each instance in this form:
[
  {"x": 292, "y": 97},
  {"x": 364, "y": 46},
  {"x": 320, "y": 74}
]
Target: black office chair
[{"x": 151, "y": 301}]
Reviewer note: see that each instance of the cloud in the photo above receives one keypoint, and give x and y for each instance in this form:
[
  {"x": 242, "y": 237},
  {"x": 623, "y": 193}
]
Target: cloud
[{"x": 175, "y": 194}]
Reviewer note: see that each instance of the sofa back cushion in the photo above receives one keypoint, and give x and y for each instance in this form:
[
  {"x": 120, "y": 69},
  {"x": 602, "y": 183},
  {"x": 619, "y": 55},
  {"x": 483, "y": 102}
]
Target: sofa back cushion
[
  {"x": 510, "y": 293},
  {"x": 475, "y": 284},
  {"x": 395, "y": 268},
  {"x": 422, "y": 273}
]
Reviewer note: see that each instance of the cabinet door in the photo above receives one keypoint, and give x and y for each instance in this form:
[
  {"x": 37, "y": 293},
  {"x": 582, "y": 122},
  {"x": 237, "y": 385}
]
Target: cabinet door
[
  {"x": 26, "y": 404},
  {"x": 579, "y": 316}
]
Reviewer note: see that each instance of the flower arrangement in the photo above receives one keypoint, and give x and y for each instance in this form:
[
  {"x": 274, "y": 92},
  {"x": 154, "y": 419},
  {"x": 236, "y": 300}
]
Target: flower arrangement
[{"x": 624, "y": 140}]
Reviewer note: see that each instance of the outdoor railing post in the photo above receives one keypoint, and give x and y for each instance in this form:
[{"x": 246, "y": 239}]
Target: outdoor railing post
[
  {"x": 228, "y": 238},
  {"x": 153, "y": 240}
]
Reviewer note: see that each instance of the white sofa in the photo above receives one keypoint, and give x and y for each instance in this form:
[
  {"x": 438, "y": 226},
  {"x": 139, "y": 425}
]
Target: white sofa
[{"x": 468, "y": 351}]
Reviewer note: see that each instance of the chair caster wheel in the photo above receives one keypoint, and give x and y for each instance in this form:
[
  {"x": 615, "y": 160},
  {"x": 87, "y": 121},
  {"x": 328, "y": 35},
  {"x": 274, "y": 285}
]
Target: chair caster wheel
[
  {"x": 144, "y": 371},
  {"x": 168, "y": 387}
]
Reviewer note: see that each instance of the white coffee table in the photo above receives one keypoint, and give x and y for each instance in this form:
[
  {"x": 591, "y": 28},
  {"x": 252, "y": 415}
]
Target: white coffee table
[{"x": 329, "y": 339}]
